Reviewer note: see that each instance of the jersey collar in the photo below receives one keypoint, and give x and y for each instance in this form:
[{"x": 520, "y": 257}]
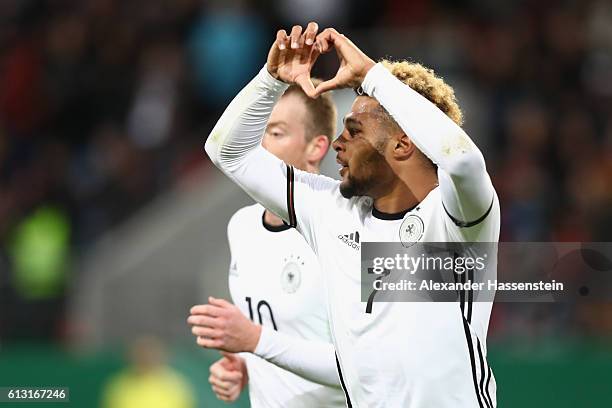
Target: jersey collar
[
  {"x": 273, "y": 228},
  {"x": 391, "y": 216}
]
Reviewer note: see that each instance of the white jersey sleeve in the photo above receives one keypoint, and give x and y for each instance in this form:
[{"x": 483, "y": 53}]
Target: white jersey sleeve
[
  {"x": 467, "y": 192},
  {"x": 234, "y": 146},
  {"x": 313, "y": 360}
]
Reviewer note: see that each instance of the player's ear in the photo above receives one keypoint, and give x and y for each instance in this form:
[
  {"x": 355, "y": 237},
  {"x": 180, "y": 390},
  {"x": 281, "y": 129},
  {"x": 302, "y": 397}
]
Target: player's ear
[
  {"x": 403, "y": 147},
  {"x": 317, "y": 149}
]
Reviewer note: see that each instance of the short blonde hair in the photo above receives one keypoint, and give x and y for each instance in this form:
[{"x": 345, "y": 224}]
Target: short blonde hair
[
  {"x": 424, "y": 81},
  {"x": 321, "y": 112}
]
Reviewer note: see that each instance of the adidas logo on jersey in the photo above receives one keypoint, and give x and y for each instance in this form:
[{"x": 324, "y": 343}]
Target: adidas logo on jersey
[{"x": 351, "y": 239}]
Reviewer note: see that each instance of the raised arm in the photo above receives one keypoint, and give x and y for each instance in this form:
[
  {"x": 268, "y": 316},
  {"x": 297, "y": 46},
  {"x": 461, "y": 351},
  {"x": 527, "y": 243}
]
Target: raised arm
[
  {"x": 467, "y": 192},
  {"x": 234, "y": 145}
]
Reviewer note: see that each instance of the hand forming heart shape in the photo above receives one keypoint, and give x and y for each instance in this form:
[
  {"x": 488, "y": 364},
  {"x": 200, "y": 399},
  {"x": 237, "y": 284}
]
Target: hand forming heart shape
[{"x": 292, "y": 57}]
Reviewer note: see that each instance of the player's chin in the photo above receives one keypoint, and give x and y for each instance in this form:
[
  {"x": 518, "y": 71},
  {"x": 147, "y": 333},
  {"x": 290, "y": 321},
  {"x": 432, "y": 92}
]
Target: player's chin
[{"x": 347, "y": 188}]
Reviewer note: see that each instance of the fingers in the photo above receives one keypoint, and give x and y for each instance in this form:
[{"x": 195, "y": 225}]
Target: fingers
[
  {"x": 230, "y": 359},
  {"x": 208, "y": 315},
  {"x": 207, "y": 310},
  {"x": 209, "y": 343},
  {"x": 226, "y": 384},
  {"x": 308, "y": 53},
  {"x": 329, "y": 39},
  {"x": 326, "y": 39},
  {"x": 290, "y": 58},
  {"x": 296, "y": 33},
  {"x": 206, "y": 332},
  {"x": 227, "y": 396},
  {"x": 206, "y": 323},
  {"x": 202, "y": 320},
  {"x": 197, "y": 309},
  {"x": 222, "y": 377},
  {"x": 311, "y": 33},
  {"x": 219, "y": 302},
  {"x": 225, "y": 379},
  {"x": 297, "y": 39},
  {"x": 282, "y": 40}
]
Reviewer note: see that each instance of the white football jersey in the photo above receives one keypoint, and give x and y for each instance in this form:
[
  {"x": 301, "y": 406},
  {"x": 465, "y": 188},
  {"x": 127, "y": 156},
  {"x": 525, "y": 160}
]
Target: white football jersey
[
  {"x": 276, "y": 281},
  {"x": 400, "y": 354}
]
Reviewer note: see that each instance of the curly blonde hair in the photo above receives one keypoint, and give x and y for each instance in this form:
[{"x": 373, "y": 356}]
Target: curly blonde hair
[{"x": 424, "y": 81}]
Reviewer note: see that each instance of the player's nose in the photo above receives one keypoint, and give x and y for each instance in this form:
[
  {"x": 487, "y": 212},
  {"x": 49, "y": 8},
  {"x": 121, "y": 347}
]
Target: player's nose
[{"x": 338, "y": 144}]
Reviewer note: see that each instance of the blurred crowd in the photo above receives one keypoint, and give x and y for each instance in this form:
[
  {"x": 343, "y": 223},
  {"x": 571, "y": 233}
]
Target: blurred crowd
[{"x": 105, "y": 103}]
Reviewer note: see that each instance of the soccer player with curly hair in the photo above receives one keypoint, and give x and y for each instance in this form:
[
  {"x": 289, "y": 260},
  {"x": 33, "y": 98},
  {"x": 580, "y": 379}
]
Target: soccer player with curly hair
[{"x": 409, "y": 173}]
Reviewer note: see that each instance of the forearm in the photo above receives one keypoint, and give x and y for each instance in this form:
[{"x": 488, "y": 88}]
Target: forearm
[
  {"x": 234, "y": 144},
  {"x": 312, "y": 360},
  {"x": 459, "y": 160},
  {"x": 241, "y": 127}
]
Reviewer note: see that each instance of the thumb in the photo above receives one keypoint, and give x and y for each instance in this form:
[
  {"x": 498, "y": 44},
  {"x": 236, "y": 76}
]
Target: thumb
[
  {"x": 231, "y": 361},
  {"x": 305, "y": 82},
  {"x": 230, "y": 356},
  {"x": 326, "y": 86}
]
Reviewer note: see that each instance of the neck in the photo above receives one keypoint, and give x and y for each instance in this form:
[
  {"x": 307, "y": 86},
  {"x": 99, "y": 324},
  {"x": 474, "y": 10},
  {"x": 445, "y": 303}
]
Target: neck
[
  {"x": 406, "y": 191},
  {"x": 310, "y": 168}
]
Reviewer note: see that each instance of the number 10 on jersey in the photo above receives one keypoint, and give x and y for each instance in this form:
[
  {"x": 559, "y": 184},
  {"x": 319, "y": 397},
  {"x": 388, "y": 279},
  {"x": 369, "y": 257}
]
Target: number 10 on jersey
[{"x": 262, "y": 304}]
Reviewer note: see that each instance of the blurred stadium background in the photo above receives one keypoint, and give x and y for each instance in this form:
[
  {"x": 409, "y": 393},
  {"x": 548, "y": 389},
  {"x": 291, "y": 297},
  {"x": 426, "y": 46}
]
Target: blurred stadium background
[{"x": 112, "y": 222}]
